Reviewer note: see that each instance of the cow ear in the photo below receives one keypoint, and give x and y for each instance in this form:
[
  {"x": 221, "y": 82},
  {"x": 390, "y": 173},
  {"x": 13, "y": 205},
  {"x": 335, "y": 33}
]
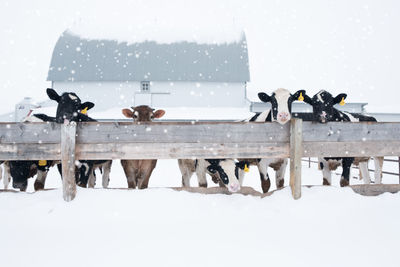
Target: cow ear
[
  {"x": 159, "y": 113},
  {"x": 127, "y": 113},
  {"x": 264, "y": 97},
  {"x": 87, "y": 105},
  {"x": 53, "y": 94},
  {"x": 299, "y": 95},
  {"x": 339, "y": 98},
  {"x": 212, "y": 169}
]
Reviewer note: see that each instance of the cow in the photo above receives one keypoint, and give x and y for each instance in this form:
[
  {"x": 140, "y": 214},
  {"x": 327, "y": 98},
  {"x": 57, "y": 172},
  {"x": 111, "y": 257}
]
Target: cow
[
  {"x": 324, "y": 111},
  {"x": 138, "y": 172},
  {"x": 70, "y": 108},
  {"x": 21, "y": 171},
  {"x": 227, "y": 172},
  {"x": 281, "y": 109}
]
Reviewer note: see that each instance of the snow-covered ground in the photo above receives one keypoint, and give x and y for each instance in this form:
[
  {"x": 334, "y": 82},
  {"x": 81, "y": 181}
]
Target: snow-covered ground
[{"x": 328, "y": 226}]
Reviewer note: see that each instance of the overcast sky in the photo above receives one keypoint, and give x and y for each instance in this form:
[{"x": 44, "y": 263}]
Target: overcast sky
[{"x": 342, "y": 46}]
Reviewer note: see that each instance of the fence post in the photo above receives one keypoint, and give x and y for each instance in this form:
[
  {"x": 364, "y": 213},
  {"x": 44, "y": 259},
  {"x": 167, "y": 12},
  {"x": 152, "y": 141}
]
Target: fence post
[
  {"x": 296, "y": 152},
  {"x": 68, "y": 132}
]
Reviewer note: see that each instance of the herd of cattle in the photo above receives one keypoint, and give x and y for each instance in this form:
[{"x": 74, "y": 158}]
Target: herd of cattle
[{"x": 226, "y": 172}]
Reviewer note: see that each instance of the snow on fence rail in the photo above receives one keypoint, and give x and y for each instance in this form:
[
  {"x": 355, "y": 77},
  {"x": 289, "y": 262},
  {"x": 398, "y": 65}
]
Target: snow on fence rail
[{"x": 168, "y": 140}]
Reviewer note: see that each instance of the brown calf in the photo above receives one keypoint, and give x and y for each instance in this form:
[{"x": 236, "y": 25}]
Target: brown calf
[{"x": 138, "y": 172}]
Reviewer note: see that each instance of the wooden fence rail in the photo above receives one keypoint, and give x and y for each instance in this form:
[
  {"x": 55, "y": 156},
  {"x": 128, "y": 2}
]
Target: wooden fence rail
[{"x": 172, "y": 140}]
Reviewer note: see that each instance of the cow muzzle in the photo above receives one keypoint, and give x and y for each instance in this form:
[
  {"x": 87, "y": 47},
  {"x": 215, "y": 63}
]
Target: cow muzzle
[
  {"x": 234, "y": 187},
  {"x": 21, "y": 186},
  {"x": 283, "y": 117}
]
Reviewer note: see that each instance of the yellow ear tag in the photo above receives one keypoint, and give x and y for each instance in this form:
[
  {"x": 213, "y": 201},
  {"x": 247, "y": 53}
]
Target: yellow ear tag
[
  {"x": 84, "y": 111},
  {"x": 342, "y": 102},
  {"x": 301, "y": 97},
  {"x": 246, "y": 169},
  {"x": 42, "y": 162}
]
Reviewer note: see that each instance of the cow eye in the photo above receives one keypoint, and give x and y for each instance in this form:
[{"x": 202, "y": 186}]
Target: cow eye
[{"x": 152, "y": 116}]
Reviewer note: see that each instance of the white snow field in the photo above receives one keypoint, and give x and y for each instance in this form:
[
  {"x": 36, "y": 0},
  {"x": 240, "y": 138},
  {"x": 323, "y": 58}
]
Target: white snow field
[{"x": 328, "y": 226}]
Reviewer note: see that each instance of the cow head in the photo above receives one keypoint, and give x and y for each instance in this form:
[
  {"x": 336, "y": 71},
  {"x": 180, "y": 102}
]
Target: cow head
[
  {"x": 230, "y": 172},
  {"x": 323, "y": 106},
  {"x": 281, "y": 103},
  {"x": 69, "y": 106},
  {"x": 143, "y": 113},
  {"x": 20, "y": 172}
]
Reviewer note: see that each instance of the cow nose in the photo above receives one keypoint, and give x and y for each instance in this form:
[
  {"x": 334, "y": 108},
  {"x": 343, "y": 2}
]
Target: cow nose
[
  {"x": 234, "y": 188},
  {"x": 20, "y": 186},
  {"x": 283, "y": 116}
]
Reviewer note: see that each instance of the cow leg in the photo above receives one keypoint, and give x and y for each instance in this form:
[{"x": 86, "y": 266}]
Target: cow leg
[
  {"x": 280, "y": 174},
  {"x": 85, "y": 170},
  {"x": 129, "y": 172},
  {"x": 265, "y": 181},
  {"x": 145, "y": 178},
  {"x": 146, "y": 170},
  {"x": 364, "y": 172},
  {"x": 187, "y": 167},
  {"x": 92, "y": 179},
  {"x": 346, "y": 165},
  {"x": 59, "y": 168},
  {"x": 106, "y": 173},
  {"x": 326, "y": 172},
  {"x": 378, "y": 161},
  {"x": 40, "y": 180},
  {"x": 201, "y": 177},
  {"x": 7, "y": 175}
]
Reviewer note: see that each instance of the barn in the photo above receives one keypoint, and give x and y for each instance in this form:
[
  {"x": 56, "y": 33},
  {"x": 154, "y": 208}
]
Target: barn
[{"x": 179, "y": 74}]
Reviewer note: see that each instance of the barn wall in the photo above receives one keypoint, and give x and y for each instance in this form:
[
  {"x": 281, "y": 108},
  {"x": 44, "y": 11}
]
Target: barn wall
[{"x": 108, "y": 95}]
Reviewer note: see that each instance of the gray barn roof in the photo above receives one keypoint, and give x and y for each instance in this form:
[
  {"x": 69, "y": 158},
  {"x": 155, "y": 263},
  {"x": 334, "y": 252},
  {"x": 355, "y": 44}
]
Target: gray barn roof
[{"x": 78, "y": 59}]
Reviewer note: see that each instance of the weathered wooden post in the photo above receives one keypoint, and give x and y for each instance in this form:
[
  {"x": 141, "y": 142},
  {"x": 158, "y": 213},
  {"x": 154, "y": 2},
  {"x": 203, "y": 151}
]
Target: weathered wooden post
[
  {"x": 68, "y": 132},
  {"x": 296, "y": 152}
]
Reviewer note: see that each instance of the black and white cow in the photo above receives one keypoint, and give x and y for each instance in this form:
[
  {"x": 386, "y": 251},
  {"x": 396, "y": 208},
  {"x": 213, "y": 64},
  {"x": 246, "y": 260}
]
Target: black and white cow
[
  {"x": 281, "y": 109},
  {"x": 324, "y": 111},
  {"x": 21, "y": 171},
  {"x": 70, "y": 109},
  {"x": 229, "y": 172}
]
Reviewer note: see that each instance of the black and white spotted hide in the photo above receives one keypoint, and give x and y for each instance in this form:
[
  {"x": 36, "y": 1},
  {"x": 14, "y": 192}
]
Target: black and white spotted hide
[
  {"x": 281, "y": 105},
  {"x": 21, "y": 171},
  {"x": 229, "y": 172},
  {"x": 324, "y": 111},
  {"x": 70, "y": 109},
  {"x": 281, "y": 111}
]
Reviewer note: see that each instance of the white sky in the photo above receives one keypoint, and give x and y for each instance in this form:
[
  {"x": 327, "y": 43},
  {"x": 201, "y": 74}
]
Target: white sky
[{"x": 342, "y": 46}]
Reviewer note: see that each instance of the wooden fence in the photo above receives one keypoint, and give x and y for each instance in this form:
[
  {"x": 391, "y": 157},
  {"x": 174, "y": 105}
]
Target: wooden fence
[{"x": 172, "y": 140}]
